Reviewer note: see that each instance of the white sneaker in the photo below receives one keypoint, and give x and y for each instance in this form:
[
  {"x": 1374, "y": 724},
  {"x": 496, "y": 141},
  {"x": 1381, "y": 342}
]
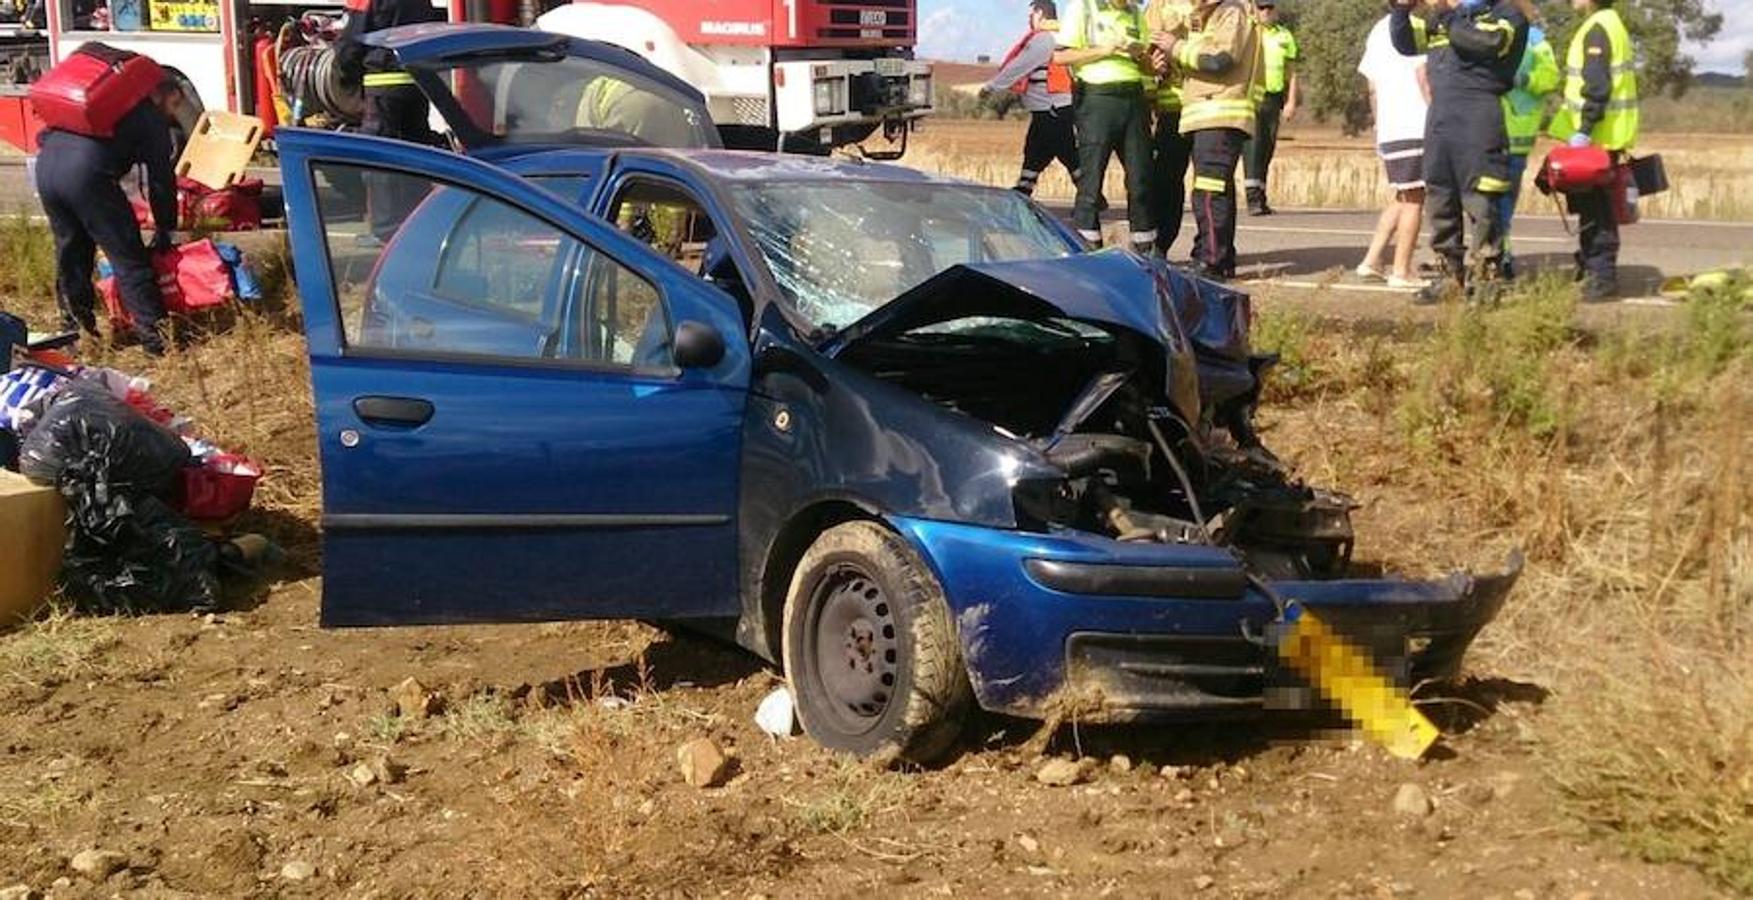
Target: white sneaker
[
  {"x": 1370, "y": 273},
  {"x": 1409, "y": 284}
]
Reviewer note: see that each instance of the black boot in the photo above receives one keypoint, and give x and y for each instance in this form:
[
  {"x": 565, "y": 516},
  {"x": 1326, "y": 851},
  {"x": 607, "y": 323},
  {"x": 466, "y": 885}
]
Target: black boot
[
  {"x": 1599, "y": 290},
  {"x": 1257, "y": 205}
]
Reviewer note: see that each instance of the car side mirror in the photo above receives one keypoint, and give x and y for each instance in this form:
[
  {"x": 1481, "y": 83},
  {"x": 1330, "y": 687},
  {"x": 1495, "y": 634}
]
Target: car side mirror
[{"x": 698, "y": 345}]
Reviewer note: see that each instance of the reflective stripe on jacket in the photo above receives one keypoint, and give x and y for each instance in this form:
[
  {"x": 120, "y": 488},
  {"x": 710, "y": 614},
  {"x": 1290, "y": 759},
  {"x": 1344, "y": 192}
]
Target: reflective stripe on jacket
[
  {"x": 1087, "y": 26},
  {"x": 1280, "y": 48},
  {"x": 1522, "y": 107},
  {"x": 1618, "y": 127},
  {"x": 1222, "y": 59},
  {"x": 1169, "y": 17}
]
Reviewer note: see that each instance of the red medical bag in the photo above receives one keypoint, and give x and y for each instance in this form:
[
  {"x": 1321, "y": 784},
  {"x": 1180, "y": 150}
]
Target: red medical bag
[
  {"x": 93, "y": 88},
  {"x": 1572, "y": 170},
  {"x": 191, "y": 278}
]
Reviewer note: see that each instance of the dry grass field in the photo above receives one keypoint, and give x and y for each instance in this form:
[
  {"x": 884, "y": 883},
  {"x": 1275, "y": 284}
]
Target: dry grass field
[
  {"x": 1711, "y": 175},
  {"x": 1601, "y": 744}
]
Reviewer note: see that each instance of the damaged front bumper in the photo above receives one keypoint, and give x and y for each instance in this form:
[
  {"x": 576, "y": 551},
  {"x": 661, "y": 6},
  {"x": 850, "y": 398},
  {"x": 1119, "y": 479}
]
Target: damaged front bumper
[{"x": 1125, "y": 631}]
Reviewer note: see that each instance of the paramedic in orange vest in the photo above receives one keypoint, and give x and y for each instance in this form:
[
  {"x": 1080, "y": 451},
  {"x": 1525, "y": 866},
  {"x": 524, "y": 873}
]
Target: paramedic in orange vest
[{"x": 1044, "y": 87}]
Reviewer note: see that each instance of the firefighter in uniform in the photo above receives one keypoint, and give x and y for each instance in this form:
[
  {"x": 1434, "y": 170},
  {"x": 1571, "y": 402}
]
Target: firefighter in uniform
[
  {"x": 1279, "y": 49},
  {"x": 1523, "y": 109},
  {"x": 79, "y": 182},
  {"x": 1475, "y": 48},
  {"x": 1102, "y": 41},
  {"x": 1044, "y": 87},
  {"x": 1221, "y": 59},
  {"x": 1173, "y": 150},
  {"x": 1600, "y": 108},
  {"x": 394, "y": 106}
]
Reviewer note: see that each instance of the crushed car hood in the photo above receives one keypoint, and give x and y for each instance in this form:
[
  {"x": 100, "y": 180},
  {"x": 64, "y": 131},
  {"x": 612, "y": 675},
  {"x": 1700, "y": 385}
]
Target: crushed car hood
[{"x": 1195, "y": 323}]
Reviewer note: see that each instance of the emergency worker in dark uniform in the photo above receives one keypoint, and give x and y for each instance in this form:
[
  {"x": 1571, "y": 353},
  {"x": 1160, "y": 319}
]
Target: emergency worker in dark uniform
[
  {"x": 1223, "y": 67},
  {"x": 1475, "y": 49},
  {"x": 79, "y": 182},
  {"x": 1102, "y": 41},
  {"x": 394, "y": 106}
]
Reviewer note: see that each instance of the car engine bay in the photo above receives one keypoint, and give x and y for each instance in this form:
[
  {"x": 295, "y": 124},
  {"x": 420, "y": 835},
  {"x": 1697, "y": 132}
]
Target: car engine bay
[{"x": 1150, "y": 451}]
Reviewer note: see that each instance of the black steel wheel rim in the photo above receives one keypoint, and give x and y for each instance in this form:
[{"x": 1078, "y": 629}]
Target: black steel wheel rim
[{"x": 857, "y": 646}]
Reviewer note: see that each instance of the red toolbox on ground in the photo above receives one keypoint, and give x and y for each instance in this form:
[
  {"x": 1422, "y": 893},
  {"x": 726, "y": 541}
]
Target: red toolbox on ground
[{"x": 93, "y": 88}]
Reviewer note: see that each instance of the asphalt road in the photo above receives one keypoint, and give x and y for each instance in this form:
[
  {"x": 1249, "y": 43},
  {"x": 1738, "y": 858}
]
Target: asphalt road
[
  {"x": 1319, "y": 248},
  {"x": 1313, "y": 249}
]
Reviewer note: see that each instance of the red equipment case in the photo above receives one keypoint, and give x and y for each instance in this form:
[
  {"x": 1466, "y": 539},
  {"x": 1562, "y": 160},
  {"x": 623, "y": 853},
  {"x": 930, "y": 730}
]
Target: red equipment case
[
  {"x": 1570, "y": 170},
  {"x": 93, "y": 88}
]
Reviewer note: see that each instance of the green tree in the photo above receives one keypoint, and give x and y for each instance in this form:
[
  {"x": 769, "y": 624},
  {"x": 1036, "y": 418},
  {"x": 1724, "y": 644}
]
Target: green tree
[
  {"x": 1332, "y": 34},
  {"x": 1658, "y": 27}
]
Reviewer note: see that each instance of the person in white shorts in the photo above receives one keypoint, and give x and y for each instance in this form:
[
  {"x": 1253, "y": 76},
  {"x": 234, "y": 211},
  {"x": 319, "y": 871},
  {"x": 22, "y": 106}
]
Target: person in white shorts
[{"x": 1400, "y": 98}]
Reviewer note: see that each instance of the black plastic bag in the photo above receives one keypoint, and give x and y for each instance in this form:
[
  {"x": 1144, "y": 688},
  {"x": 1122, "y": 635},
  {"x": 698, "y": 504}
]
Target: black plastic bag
[
  {"x": 126, "y": 548},
  {"x": 137, "y": 554},
  {"x": 88, "y": 436}
]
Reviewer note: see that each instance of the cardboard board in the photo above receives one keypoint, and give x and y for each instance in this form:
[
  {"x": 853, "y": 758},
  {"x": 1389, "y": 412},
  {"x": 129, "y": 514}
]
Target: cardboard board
[
  {"x": 220, "y": 148},
  {"x": 33, "y": 533}
]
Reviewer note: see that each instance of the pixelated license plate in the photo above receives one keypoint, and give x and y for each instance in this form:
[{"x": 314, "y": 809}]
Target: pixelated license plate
[{"x": 1346, "y": 674}]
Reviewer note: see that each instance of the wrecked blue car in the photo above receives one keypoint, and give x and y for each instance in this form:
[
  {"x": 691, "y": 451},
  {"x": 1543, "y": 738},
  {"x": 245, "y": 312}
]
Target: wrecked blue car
[{"x": 899, "y": 434}]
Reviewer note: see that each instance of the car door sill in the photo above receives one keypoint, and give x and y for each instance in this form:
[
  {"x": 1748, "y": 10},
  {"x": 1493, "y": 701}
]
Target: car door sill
[{"x": 514, "y": 521}]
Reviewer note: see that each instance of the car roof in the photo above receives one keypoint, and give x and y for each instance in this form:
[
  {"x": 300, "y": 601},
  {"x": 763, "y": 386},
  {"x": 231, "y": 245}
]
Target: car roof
[
  {"x": 732, "y": 165},
  {"x": 432, "y": 40}
]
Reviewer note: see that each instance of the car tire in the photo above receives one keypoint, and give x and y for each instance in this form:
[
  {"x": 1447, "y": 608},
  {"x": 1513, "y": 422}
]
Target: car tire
[{"x": 870, "y": 651}]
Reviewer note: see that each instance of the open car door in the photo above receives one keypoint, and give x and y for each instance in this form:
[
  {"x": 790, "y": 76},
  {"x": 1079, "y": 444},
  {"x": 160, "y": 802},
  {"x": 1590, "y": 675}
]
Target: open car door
[
  {"x": 507, "y": 89},
  {"x": 510, "y": 424}
]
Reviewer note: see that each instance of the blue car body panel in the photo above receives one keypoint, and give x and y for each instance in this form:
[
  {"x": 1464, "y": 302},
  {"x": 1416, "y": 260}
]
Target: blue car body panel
[
  {"x": 543, "y": 491},
  {"x": 535, "y": 491},
  {"x": 1022, "y": 639}
]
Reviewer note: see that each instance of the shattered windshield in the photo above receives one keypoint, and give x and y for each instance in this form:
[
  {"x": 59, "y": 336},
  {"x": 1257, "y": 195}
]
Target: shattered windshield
[{"x": 840, "y": 249}]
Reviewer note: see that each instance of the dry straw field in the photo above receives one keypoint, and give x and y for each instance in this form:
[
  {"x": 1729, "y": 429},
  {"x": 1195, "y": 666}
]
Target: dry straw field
[{"x": 1318, "y": 167}]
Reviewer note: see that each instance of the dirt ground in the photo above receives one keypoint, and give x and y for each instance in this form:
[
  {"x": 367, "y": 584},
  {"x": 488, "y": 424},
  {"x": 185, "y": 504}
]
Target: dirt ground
[
  {"x": 250, "y": 753},
  {"x": 218, "y": 753}
]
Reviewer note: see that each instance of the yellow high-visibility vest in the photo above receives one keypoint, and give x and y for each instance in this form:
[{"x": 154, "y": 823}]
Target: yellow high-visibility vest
[{"x": 1617, "y": 129}]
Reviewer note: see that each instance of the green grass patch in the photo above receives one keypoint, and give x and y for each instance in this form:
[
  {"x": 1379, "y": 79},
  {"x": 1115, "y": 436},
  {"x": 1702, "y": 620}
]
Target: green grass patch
[
  {"x": 1494, "y": 365},
  {"x": 27, "y": 267}
]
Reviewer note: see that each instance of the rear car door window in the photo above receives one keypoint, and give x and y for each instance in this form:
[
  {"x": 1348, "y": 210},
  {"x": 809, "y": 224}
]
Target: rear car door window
[{"x": 465, "y": 274}]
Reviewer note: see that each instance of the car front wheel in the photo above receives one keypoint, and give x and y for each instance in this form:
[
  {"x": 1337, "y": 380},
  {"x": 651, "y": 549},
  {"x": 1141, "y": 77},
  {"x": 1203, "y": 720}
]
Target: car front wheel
[{"x": 870, "y": 650}]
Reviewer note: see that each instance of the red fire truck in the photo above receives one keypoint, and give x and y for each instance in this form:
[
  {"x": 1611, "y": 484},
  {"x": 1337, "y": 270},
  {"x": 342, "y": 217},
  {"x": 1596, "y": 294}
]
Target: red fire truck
[{"x": 805, "y": 74}]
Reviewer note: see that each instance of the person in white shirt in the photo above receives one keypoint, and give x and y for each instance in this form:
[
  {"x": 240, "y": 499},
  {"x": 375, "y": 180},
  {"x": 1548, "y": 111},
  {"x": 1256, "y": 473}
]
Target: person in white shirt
[
  {"x": 1400, "y": 99},
  {"x": 1044, "y": 87}
]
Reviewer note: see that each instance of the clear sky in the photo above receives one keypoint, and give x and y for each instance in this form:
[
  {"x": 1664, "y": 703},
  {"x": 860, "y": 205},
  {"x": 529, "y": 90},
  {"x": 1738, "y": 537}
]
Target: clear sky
[{"x": 964, "y": 29}]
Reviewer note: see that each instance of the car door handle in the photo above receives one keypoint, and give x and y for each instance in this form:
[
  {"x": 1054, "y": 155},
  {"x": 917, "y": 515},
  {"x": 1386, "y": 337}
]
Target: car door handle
[{"x": 407, "y": 412}]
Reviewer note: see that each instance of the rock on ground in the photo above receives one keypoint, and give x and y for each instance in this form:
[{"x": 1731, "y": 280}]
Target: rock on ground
[
  {"x": 703, "y": 764},
  {"x": 298, "y": 870},
  {"x": 20, "y": 892},
  {"x": 1411, "y": 800},
  {"x": 1062, "y": 772},
  {"x": 413, "y": 701},
  {"x": 99, "y": 864}
]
